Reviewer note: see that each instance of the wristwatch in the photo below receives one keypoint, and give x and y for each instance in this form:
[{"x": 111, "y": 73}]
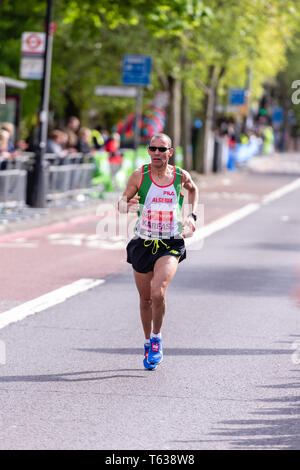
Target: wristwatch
[{"x": 193, "y": 215}]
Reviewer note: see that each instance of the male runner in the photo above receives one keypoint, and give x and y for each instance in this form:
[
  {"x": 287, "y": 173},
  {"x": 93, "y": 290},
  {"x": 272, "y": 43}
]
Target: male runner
[{"x": 155, "y": 191}]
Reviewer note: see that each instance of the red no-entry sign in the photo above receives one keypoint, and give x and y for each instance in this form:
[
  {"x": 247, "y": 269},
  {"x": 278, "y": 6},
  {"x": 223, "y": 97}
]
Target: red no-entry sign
[{"x": 33, "y": 43}]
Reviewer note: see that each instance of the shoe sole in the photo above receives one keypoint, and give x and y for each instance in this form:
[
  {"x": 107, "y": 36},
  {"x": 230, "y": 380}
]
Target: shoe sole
[
  {"x": 153, "y": 367},
  {"x": 150, "y": 369},
  {"x": 155, "y": 363}
]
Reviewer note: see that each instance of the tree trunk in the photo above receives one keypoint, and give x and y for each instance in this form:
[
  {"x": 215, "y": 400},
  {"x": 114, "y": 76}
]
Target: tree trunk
[
  {"x": 205, "y": 148},
  {"x": 173, "y": 118},
  {"x": 186, "y": 132}
]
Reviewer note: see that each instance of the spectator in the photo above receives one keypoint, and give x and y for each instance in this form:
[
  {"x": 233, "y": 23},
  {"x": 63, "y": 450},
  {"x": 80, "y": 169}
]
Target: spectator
[
  {"x": 5, "y": 155},
  {"x": 21, "y": 144},
  {"x": 72, "y": 129},
  {"x": 10, "y": 128},
  {"x": 4, "y": 141},
  {"x": 84, "y": 140},
  {"x": 97, "y": 140},
  {"x": 112, "y": 146},
  {"x": 268, "y": 136},
  {"x": 55, "y": 143},
  {"x": 64, "y": 141}
]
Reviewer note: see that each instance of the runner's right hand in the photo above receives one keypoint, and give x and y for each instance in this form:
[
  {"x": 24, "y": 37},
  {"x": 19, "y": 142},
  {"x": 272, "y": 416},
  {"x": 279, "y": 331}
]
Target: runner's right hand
[{"x": 133, "y": 204}]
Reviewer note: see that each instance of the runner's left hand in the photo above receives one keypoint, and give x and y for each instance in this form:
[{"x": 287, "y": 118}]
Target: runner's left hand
[{"x": 188, "y": 228}]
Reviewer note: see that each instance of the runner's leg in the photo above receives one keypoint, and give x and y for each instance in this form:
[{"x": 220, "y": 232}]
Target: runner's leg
[
  {"x": 143, "y": 284},
  {"x": 164, "y": 271}
]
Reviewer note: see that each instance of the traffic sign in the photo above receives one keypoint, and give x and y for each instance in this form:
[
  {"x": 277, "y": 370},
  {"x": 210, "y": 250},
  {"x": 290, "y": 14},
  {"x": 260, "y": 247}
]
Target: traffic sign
[
  {"x": 237, "y": 96},
  {"x": 277, "y": 115},
  {"x": 136, "y": 70},
  {"x": 33, "y": 43},
  {"x": 32, "y": 67},
  {"x": 120, "y": 91}
]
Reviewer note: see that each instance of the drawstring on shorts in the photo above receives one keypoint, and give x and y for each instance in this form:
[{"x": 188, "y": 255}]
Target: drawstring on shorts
[{"x": 156, "y": 246}]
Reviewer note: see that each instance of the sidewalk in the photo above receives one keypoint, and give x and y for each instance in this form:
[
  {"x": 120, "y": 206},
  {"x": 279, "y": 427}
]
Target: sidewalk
[{"x": 220, "y": 193}]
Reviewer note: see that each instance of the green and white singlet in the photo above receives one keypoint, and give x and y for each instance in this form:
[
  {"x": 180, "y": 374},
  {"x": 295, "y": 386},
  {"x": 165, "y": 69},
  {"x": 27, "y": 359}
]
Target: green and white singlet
[{"x": 160, "y": 207}]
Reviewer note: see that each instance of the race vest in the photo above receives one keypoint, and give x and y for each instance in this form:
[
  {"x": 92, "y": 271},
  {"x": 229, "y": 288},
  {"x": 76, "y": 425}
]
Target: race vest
[{"x": 160, "y": 207}]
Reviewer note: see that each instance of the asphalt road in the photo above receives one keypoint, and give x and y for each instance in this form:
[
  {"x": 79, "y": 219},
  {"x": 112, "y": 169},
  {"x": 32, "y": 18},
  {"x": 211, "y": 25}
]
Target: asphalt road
[{"x": 73, "y": 377}]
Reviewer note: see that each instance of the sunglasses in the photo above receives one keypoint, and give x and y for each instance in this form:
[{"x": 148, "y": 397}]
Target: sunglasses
[{"x": 160, "y": 149}]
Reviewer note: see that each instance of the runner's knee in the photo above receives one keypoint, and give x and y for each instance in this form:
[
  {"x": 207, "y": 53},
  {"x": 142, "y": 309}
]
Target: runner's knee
[
  {"x": 157, "y": 293},
  {"x": 145, "y": 301}
]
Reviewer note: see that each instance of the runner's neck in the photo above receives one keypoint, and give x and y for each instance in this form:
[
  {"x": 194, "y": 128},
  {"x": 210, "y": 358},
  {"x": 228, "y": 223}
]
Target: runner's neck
[{"x": 165, "y": 173}]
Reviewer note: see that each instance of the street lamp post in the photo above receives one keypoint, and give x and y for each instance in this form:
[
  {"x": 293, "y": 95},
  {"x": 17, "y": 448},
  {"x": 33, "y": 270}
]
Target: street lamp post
[{"x": 39, "y": 189}]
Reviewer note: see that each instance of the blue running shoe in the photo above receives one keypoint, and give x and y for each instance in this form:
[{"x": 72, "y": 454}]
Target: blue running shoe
[
  {"x": 145, "y": 361},
  {"x": 155, "y": 355}
]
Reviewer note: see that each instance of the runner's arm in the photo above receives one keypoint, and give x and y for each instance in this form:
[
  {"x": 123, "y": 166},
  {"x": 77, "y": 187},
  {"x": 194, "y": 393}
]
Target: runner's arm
[
  {"x": 129, "y": 200},
  {"x": 192, "y": 189}
]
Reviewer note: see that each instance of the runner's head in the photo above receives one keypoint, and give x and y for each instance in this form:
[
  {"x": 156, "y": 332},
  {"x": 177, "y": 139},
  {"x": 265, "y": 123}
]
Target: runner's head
[{"x": 160, "y": 150}]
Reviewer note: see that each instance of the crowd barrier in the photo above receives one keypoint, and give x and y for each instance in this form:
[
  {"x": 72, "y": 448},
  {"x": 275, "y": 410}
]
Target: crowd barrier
[
  {"x": 13, "y": 188},
  {"x": 69, "y": 180},
  {"x": 93, "y": 174},
  {"x": 64, "y": 177}
]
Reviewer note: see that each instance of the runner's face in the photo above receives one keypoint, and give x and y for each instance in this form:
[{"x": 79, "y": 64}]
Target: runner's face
[{"x": 160, "y": 159}]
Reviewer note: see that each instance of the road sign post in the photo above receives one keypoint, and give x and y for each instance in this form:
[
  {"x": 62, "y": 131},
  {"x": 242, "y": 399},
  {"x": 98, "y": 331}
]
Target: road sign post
[
  {"x": 138, "y": 117},
  {"x": 39, "y": 190},
  {"x": 2, "y": 92},
  {"x": 136, "y": 71}
]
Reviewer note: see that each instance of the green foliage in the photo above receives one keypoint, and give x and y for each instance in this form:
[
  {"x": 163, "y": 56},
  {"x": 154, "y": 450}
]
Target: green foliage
[{"x": 184, "y": 38}]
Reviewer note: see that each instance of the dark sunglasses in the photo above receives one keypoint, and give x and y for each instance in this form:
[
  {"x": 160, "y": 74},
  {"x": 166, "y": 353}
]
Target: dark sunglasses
[{"x": 160, "y": 149}]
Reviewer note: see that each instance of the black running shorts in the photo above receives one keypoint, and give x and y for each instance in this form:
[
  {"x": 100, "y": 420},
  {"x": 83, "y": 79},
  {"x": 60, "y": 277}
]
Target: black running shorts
[{"x": 143, "y": 254}]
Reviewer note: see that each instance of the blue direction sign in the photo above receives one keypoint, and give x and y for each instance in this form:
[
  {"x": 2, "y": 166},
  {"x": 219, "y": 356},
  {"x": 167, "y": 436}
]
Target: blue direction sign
[
  {"x": 136, "y": 70},
  {"x": 237, "y": 96}
]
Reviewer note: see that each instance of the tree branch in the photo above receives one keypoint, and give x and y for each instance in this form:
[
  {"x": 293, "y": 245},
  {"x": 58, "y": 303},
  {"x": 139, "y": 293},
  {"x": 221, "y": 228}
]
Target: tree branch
[{"x": 202, "y": 86}]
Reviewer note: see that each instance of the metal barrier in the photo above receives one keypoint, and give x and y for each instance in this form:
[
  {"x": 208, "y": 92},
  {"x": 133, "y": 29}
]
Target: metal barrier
[
  {"x": 13, "y": 188},
  {"x": 69, "y": 180},
  {"x": 65, "y": 178}
]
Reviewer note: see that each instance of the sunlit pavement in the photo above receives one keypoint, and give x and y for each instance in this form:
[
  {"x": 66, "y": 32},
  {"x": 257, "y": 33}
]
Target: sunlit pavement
[{"x": 39, "y": 257}]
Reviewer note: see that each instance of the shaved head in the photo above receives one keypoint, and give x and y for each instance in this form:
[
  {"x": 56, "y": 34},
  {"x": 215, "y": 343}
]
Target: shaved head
[{"x": 162, "y": 136}]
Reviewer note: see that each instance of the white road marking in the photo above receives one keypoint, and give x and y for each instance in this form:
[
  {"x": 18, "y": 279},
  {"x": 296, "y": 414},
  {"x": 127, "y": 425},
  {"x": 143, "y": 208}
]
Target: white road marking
[
  {"x": 281, "y": 191},
  {"x": 18, "y": 245},
  {"x": 221, "y": 223},
  {"x": 239, "y": 214},
  {"x": 48, "y": 300}
]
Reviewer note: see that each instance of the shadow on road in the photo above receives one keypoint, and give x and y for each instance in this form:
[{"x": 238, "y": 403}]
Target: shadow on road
[
  {"x": 274, "y": 424},
  {"x": 281, "y": 431},
  {"x": 72, "y": 376},
  {"x": 274, "y": 246},
  {"x": 193, "y": 351},
  {"x": 273, "y": 282}
]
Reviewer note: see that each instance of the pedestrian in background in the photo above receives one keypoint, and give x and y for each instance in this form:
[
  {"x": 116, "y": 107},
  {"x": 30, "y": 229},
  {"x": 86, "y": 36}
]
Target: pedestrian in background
[
  {"x": 4, "y": 142},
  {"x": 55, "y": 143},
  {"x": 84, "y": 140},
  {"x": 71, "y": 130},
  {"x": 10, "y": 128},
  {"x": 97, "y": 139}
]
